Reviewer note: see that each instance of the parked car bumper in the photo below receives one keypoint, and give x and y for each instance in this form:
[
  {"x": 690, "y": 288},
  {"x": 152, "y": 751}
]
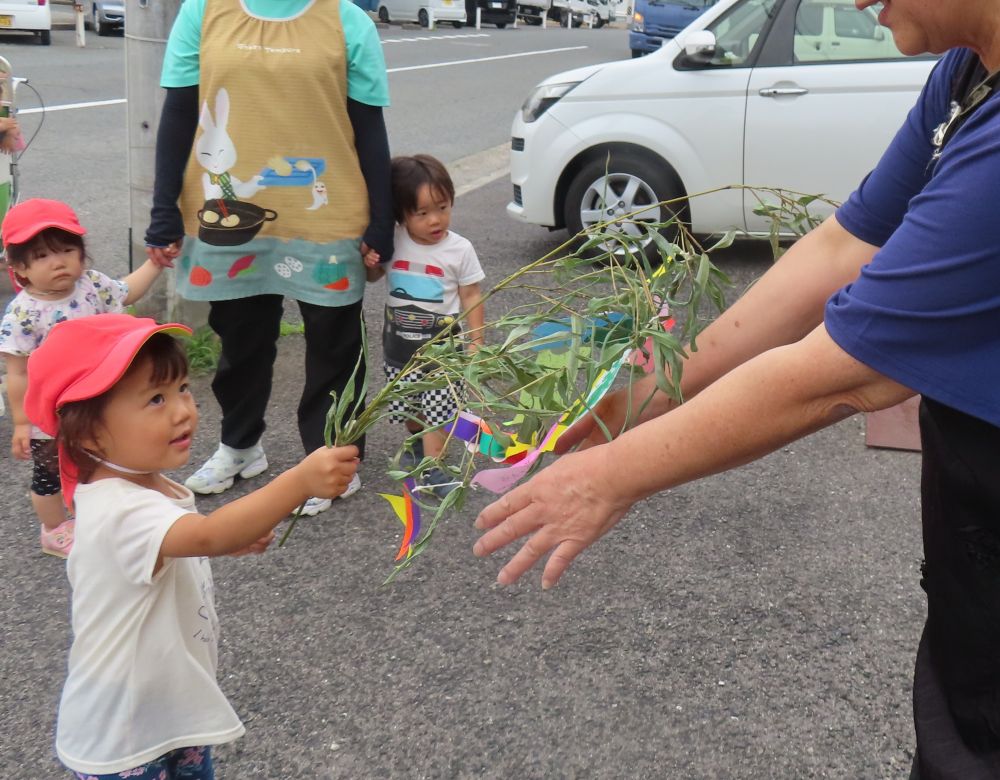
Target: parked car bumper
[
  {"x": 111, "y": 18},
  {"x": 454, "y": 13},
  {"x": 496, "y": 12},
  {"x": 25, "y": 18},
  {"x": 534, "y": 186}
]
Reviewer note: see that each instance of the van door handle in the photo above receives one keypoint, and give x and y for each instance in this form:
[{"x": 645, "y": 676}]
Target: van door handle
[{"x": 779, "y": 91}]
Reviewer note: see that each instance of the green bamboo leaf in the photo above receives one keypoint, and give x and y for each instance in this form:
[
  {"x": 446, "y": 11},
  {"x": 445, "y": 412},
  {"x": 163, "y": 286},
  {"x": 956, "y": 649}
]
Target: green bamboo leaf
[
  {"x": 528, "y": 428},
  {"x": 724, "y": 242},
  {"x": 516, "y": 333},
  {"x": 667, "y": 249},
  {"x": 331, "y": 420},
  {"x": 540, "y": 343}
]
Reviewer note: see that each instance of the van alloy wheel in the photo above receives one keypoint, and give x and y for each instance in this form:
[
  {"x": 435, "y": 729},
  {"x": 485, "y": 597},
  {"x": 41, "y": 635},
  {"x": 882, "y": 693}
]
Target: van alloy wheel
[{"x": 630, "y": 187}]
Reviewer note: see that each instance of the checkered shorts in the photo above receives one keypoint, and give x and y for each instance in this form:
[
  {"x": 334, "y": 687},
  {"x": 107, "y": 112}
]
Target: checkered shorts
[{"x": 434, "y": 407}]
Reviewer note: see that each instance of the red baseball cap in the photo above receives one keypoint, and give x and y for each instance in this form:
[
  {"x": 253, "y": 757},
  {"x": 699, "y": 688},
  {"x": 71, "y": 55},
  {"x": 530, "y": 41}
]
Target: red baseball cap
[
  {"x": 30, "y": 217},
  {"x": 80, "y": 359}
]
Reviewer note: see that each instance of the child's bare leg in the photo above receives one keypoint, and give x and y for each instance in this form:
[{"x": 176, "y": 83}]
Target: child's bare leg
[
  {"x": 50, "y": 510},
  {"x": 433, "y": 443}
]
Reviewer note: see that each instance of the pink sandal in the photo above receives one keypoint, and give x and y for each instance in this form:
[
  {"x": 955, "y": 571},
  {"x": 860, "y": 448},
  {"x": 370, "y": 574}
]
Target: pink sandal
[{"x": 58, "y": 541}]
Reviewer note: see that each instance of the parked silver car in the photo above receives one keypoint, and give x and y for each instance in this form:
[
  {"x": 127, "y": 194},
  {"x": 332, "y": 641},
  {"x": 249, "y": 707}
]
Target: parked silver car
[{"x": 106, "y": 16}]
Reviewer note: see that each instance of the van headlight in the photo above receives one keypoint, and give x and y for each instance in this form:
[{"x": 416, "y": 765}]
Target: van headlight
[
  {"x": 638, "y": 23},
  {"x": 543, "y": 98}
]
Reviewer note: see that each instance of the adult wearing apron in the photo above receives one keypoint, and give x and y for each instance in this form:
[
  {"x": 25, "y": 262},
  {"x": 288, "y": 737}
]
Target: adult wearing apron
[
  {"x": 272, "y": 173},
  {"x": 898, "y": 293}
]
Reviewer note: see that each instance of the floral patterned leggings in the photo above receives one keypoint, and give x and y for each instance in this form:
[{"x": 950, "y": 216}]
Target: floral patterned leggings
[{"x": 194, "y": 763}]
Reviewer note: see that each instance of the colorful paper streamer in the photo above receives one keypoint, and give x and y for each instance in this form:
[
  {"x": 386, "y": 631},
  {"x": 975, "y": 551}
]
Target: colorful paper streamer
[{"x": 408, "y": 513}]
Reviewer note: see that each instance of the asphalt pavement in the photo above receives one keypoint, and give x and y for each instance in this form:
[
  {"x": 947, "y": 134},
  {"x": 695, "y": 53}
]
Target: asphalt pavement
[{"x": 758, "y": 624}]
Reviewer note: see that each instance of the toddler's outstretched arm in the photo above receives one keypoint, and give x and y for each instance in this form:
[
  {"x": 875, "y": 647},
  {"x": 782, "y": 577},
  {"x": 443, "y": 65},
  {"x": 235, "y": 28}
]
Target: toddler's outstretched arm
[
  {"x": 247, "y": 521},
  {"x": 140, "y": 280}
]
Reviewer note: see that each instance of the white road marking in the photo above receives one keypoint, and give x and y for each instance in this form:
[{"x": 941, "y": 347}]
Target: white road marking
[
  {"x": 415, "y": 39},
  {"x": 484, "y": 59},
  {"x": 71, "y": 106},
  {"x": 448, "y": 64}
]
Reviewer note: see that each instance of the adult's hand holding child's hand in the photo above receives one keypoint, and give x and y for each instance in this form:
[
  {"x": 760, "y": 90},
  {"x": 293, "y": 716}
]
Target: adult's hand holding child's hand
[
  {"x": 164, "y": 256},
  {"x": 370, "y": 256}
]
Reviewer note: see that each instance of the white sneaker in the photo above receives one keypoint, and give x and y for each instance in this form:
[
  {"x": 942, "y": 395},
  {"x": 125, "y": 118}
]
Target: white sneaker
[
  {"x": 352, "y": 487},
  {"x": 220, "y": 471},
  {"x": 316, "y": 505}
]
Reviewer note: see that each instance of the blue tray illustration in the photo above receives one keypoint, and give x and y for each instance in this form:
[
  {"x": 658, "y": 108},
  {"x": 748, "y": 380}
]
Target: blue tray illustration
[{"x": 297, "y": 178}]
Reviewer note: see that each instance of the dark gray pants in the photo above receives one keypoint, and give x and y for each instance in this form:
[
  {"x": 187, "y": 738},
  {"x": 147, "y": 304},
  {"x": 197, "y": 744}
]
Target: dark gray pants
[{"x": 249, "y": 330}]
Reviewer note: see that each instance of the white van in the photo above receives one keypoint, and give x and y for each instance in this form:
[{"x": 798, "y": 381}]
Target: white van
[
  {"x": 29, "y": 15},
  {"x": 421, "y": 11},
  {"x": 761, "y": 93}
]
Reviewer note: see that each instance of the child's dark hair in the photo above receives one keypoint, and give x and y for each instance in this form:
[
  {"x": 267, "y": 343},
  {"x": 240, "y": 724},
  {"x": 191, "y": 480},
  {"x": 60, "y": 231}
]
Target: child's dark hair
[
  {"x": 53, "y": 239},
  {"x": 409, "y": 174},
  {"x": 79, "y": 421}
]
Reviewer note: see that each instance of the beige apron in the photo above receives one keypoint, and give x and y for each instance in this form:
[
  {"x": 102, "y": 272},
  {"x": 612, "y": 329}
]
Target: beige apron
[{"x": 273, "y": 199}]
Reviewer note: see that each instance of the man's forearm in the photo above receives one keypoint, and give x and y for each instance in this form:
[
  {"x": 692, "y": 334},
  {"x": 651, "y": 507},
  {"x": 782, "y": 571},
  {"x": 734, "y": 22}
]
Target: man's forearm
[
  {"x": 771, "y": 400},
  {"x": 784, "y": 305}
]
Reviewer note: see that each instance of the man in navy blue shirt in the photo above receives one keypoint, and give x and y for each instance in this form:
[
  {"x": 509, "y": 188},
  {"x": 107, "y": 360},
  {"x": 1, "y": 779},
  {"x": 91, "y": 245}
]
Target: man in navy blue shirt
[{"x": 898, "y": 293}]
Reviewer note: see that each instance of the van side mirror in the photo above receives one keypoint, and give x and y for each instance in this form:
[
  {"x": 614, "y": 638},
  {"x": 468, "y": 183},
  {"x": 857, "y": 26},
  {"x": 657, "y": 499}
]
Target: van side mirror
[{"x": 700, "y": 48}]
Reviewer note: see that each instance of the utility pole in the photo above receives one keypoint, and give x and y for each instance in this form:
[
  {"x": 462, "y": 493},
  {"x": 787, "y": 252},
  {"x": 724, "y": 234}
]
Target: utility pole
[
  {"x": 147, "y": 25},
  {"x": 81, "y": 39}
]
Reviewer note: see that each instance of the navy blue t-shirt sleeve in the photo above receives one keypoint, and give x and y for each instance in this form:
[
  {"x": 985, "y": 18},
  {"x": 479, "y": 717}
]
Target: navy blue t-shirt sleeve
[{"x": 926, "y": 311}]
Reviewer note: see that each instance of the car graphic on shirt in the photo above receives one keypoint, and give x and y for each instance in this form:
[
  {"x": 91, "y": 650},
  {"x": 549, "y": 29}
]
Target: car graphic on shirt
[
  {"x": 420, "y": 282},
  {"x": 413, "y": 318}
]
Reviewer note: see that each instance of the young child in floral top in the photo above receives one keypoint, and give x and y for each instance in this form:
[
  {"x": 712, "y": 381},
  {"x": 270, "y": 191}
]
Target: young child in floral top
[{"x": 45, "y": 254}]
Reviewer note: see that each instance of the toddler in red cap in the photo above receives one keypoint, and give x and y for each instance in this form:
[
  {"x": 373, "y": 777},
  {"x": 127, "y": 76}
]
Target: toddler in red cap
[
  {"x": 45, "y": 254},
  {"x": 141, "y": 697}
]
